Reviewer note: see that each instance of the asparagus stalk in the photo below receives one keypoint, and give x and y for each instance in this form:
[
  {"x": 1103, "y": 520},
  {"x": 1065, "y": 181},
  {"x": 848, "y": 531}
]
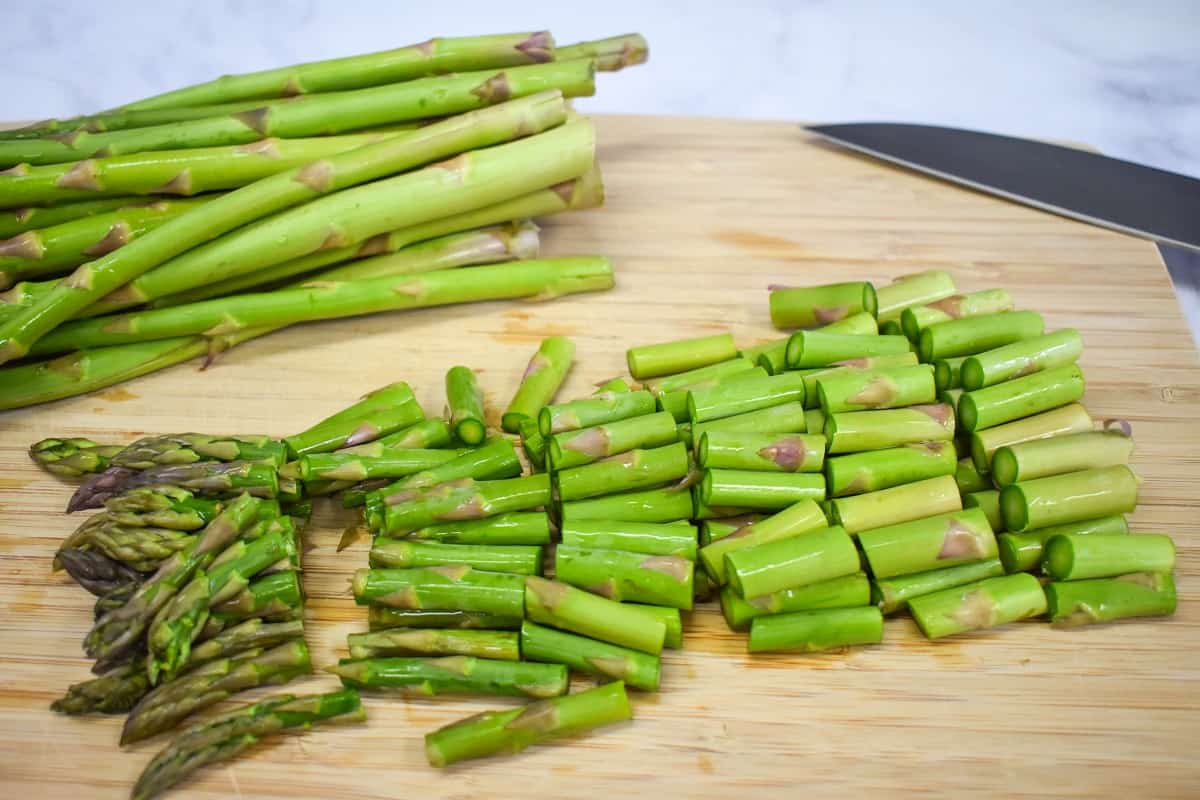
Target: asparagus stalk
[
  {"x": 947, "y": 373},
  {"x": 517, "y": 528},
  {"x": 914, "y": 289},
  {"x": 448, "y": 588},
  {"x": 738, "y": 450},
  {"x": 892, "y": 594},
  {"x": 72, "y": 458},
  {"x": 1072, "y": 418},
  {"x": 712, "y": 530},
  {"x": 987, "y": 501},
  {"x": 969, "y": 478},
  {"x": 873, "y": 470},
  {"x": 989, "y": 301},
  {"x": 208, "y": 478},
  {"x": 637, "y": 577},
  {"x": 1075, "y": 496},
  {"x": 511, "y": 731},
  {"x": 97, "y": 573},
  {"x": 1020, "y": 397},
  {"x": 699, "y": 377},
  {"x": 339, "y": 430},
  {"x": 1070, "y": 453},
  {"x": 496, "y": 459},
  {"x": 286, "y": 189},
  {"x": 541, "y": 379},
  {"x": 563, "y": 606},
  {"x": 402, "y": 554},
  {"x": 857, "y": 431},
  {"x": 15, "y": 221},
  {"x": 813, "y": 306},
  {"x": 820, "y": 349},
  {"x": 670, "y": 617},
  {"x": 427, "y": 434},
  {"x": 655, "y": 360},
  {"x": 961, "y": 337},
  {"x": 814, "y": 631},
  {"x": 142, "y": 549},
  {"x": 793, "y": 561},
  {"x": 390, "y": 463},
  {"x": 382, "y": 618},
  {"x": 464, "y": 406},
  {"x": 649, "y": 538},
  {"x": 898, "y": 504},
  {"x": 496, "y": 645},
  {"x": 459, "y": 500},
  {"x": 432, "y": 57},
  {"x": 455, "y": 675},
  {"x": 984, "y": 604},
  {"x": 611, "y": 54},
  {"x": 783, "y": 418},
  {"x": 742, "y": 394},
  {"x": 653, "y": 505},
  {"x": 861, "y": 390},
  {"x": 232, "y": 733},
  {"x": 929, "y": 543},
  {"x": 847, "y": 591},
  {"x": 1022, "y": 552},
  {"x": 758, "y": 491},
  {"x": 773, "y": 357},
  {"x": 276, "y": 597},
  {"x": 676, "y": 402},
  {"x": 635, "y": 469},
  {"x": 605, "y": 661},
  {"x": 1025, "y": 357},
  {"x": 533, "y": 443},
  {"x": 1087, "y": 602},
  {"x": 585, "y": 446},
  {"x": 599, "y": 409},
  {"x": 850, "y": 369},
  {"x": 801, "y": 518},
  {"x": 1070, "y": 556},
  {"x": 188, "y": 448}
]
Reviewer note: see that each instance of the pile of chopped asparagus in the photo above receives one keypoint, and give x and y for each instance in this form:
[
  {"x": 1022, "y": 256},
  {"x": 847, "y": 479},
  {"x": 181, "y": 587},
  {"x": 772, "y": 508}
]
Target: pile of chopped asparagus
[
  {"x": 184, "y": 224},
  {"x": 907, "y": 448}
]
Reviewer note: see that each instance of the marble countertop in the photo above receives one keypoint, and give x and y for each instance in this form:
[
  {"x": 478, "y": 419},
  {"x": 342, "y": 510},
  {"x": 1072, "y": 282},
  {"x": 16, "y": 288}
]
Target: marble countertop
[{"x": 1120, "y": 76}]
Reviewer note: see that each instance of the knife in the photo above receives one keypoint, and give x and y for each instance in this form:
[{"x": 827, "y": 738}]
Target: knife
[{"x": 1121, "y": 195}]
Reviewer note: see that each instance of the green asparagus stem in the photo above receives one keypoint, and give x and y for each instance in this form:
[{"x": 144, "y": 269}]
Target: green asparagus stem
[
  {"x": 961, "y": 337},
  {"x": 759, "y": 491},
  {"x": 1022, "y": 552},
  {"x": 1075, "y": 496},
  {"x": 619, "y": 575},
  {"x": 676, "y": 402},
  {"x": 947, "y": 373},
  {"x": 563, "y": 606},
  {"x": 599, "y": 409},
  {"x": 857, "y": 431},
  {"x": 783, "y": 418},
  {"x": 989, "y": 301},
  {"x": 275, "y": 597},
  {"x": 18, "y": 220},
  {"x": 286, "y": 189},
  {"x": 172, "y": 702},
  {"x": 984, "y": 604},
  {"x": 987, "y": 501},
  {"x": 898, "y": 504},
  {"x": 635, "y": 469},
  {"x": 497, "y": 645},
  {"x": 163, "y": 507},
  {"x": 892, "y": 594},
  {"x": 210, "y": 478},
  {"x": 649, "y": 538},
  {"x": 606, "y": 661},
  {"x": 743, "y": 393},
  {"x": 914, "y": 289},
  {"x": 541, "y": 379},
  {"x": 929, "y": 543},
  {"x": 448, "y": 588},
  {"x": 390, "y": 463},
  {"x": 699, "y": 377},
  {"x": 712, "y": 530},
  {"x": 1020, "y": 397},
  {"x": 188, "y": 448},
  {"x": 860, "y": 390},
  {"x": 1141, "y": 594},
  {"x": 382, "y": 618},
  {"x": 814, "y": 631},
  {"x": 426, "y": 434},
  {"x": 464, "y": 406},
  {"x": 396, "y": 554},
  {"x": 672, "y": 618},
  {"x": 433, "y": 57},
  {"x": 455, "y": 675},
  {"x": 253, "y": 633},
  {"x": 813, "y": 557},
  {"x": 610, "y": 55},
  {"x": 232, "y": 733},
  {"x": 811, "y": 306},
  {"x": 114, "y": 692},
  {"x": 528, "y": 528},
  {"x": 1071, "y": 418},
  {"x": 773, "y": 357},
  {"x": 844, "y": 592},
  {"x": 860, "y": 324},
  {"x": 1070, "y": 556},
  {"x": 333, "y": 431},
  {"x": 533, "y": 443},
  {"x": 848, "y": 370},
  {"x": 1025, "y": 357},
  {"x": 460, "y": 499},
  {"x": 820, "y": 349},
  {"x": 968, "y": 477},
  {"x": 740, "y": 450},
  {"x": 1070, "y": 453},
  {"x": 496, "y": 459},
  {"x": 668, "y": 358},
  {"x": 882, "y": 469},
  {"x": 72, "y": 458},
  {"x": 801, "y": 518},
  {"x": 654, "y": 505},
  {"x": 579, "y": 447},
  {"x": 511, "y": 731}
]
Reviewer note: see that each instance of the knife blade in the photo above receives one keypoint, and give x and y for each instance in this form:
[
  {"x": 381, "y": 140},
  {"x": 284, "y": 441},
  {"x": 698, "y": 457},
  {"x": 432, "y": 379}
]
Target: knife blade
[{"x": 1121, "y": 195}]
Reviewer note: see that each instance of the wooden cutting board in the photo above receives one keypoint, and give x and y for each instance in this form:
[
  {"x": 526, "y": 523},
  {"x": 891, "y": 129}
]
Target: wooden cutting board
[{"x": 702, "y": 216}]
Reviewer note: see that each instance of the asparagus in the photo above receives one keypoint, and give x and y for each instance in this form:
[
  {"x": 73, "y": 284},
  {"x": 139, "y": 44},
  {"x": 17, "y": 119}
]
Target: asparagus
[
  {"x": 672, "y": 618},
  {"x": 668, "y": 358},
  {"x": 455, "y": 675},
  {"x": 860, "y": 390},
  {"x": 773, "y": 357},
  {"x": 1020, "y": 397},
  {"x": 605, "y": 661},
  {"x": 814, "y": 631},
  {"x": 860, "y": 324},
  {"x": 511, "y": 731},
  {"x": 960, "y": 337},
  {"x": 1044, "y": 457},
  {"x": 188, "y": 448},
  {"x": 712, "y": 530},
  {"x": 599, "y": 409},
  {"x": 382, "y": 618},
  {"x": 649, "y": 538},
  {"x": 286, "y": 189},
  {"x": 426, "y": 434},
  {"x": 115, "y": 692},
  {"x": 893, "y": 594},
  {"x": 1071, "y": 418},
  {"x": 968, "y": 477},
  {"x": 432, "y": 57},
  {"x": 539, "y": 382},
  {"x": 947, "y": 373},
  {"x": 676, "y": 402},
  {"x": 1025, "y": 357},
  {"x": 398, "y": 553},
  {"x": 699, "y": 377},
  {"x": 987, "y": 501},
  {"x": 758, "y": 491},
  {"x": 1087, "y": 602},
  {"x": 850, "y": 369},
  {"x": 118, "y": 631},
  {"x": 563, "y": 606},
  {"x": 496, "y": 459},
  {"x": 820, "y": 305},
  {"x": 464, "y": 406},
  {"x": 209, "y": 478},
  {"x": 783, "y": 418},
  {"x": 873, "y": 470},
  {"x": 635, "y": 469},
  {"x": 15, "y": 221},
  {"x": 928, "y": 543},
  {"x": 619, "y": 575},
  {"x": 230, "y": 734},
  {"x": 705, "y": 511},
  {"x": 518, "y": 528},
  {"x": 820, "y": 349},
  {"x": 743, "y": 393},
  {"x": 172, "y": 702},
  {"x": 1075, "y": 496},
  {"x": 497, "y": 645},
  {"x": 801, "y": 518},
  {"x": 960, "y": 306},
  {"x": 793, "y": 561},
  {"x": 142, "y": 549},
  {"x": 984, "y": 604},
  {"x": 654, "y": 505},
  {"x": 390, "y": 463},
  {"x": 856, "y": 431},
  {"x": 587, "y": 445},
  {"x": 339, "y": 430},
  {"x": 447, "y": 588},
  {"x": 57, "y": 250},
  {"x": 898, "y": 504},
  {"x": 97, "y": 572},
  {"x": 761, "y": 451},
  {"x": 611, "y": 54},
  {"x": 72, "y": 458},
  {"x": 460, "y": 499},
  {"x": 914, "y": 289},
  {"x": 276, "y": 597},
  {"x": 253, "y": 633},
  {"x": 1070, "y": 556},
  {"x": 1022, "y": 552},
  {"x": 533, "y": 443},
  {"x": 843, "y": 592}
]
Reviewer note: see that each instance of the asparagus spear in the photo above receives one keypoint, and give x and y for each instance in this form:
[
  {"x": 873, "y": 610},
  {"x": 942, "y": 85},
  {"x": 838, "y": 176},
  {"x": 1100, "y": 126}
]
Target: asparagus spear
[
  {"x": 115, "y": 692},
  {"x": 96, "y": 572},
  {"x": 426, "y": 434},
  {"x": 389, "y": 463},
  {"x": 801, "y": 518},
  {"x": 518, "y": 528},
  {"x": 742, "y": 394},
  {"x": 893, "y": 594},
  {"x": 1070, "y": 556},
  {"x": 496, "y": 459},
  {"x": 142, "y": 549},
  {"x": 1072, "y": 418},
  {"x": 759, "y": 491},
  {"x": 464, "y": 406},
  {"x": 15, "y": 221},
  {"x": 820, "y": 349},
  {"x": 812, "y": 306},
  {"x": 618, "y": 575},
  {"x": 1044, "y": 457},
  {"x": 455, "y": 675},
  {"x": 1020, "y": 397},
  {"x": 541, "y": 379},
  {"x": 635, "y": 469},
  {"x": 276, "y": 597},
  {"x": 162, "y": 507},
  {"x": 699, "y": 377},
  {"x": 339, "y": 430},
  {"x": 929, "y": 543},
  {"x": 513, "y": 730},
  {"x": 856, "y": 431},
  {"x": 676, "y": 402},
  {"x": 403, "y": 554},
  {"x": 432, "y": 57},
  {"x": 654, "y": 505},
  {"x": 381, "y": 618},
  {"x": 1022, "y": 552},
  {"x": 611, "y": 54},
  {"x": 563, "y": 606},
  {"x": 761, "y": 451},
  {"x": 793, "y": 561},
  {"x": 459, "y": 500},
  {"x": 655, "y": 360},
  {"x": 960, "y": 337},
  {"x": 1075, "y": 496},
  {"x": 852, "y": 370},
  {"x": 447, "y": 588},
  {"x": 989, "y": 301},
  {"x": 813, "y": 631},
  {"x": 1021, "y": 358},
  {"x": 873, "y": 470},
  {"x": 71, "y": 458},
  {"x": 783, "y": 418},
  {"x": 496, "y": 645},
  {"x": 649, "y": 538},
  {"x": 599, "y": 409},
  {"x": 847, "y": 591},
  {"x": 898, "y": 504},
  {"x": 226, "y": 736},
  {"x": 860, "y": 390},
  {"x": 188, "y": 448},
  {"x": 914, "y": 289},
  {"x": 204, "y": 477},
  {"x": 606, "y": 661},
  {"x": 1087, "y": 602},
  {"x": 286, "y": 189},
  {"x": 985, "y": 604},
  {"x": 579, "y": 447}
]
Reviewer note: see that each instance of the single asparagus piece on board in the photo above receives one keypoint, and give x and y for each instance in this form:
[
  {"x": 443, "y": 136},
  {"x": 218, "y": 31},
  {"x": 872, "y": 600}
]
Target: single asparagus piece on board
[{"x": 541, "y": 379}]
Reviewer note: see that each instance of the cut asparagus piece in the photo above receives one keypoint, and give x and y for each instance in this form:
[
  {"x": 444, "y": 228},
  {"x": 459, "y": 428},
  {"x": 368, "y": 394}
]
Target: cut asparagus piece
[
  {"x": 541, "y": 379},
  {"x": 563, "y": 606},
  {"x": 1088, "y": 602},
  {"x": 668, "y": 358},
  {"x": 861, "y": 390},
  {"x": 1041, "y": 458},
  {"x": 742, "y": 394},
  {"x": 759, "y": 491},
  {"x": 814, "y": 631},
  {"x": 275, "y": 597},
  {"x": 985, "y": 604},
  {"x": 460, "y": 499},
  {"x": 811, "y": 306},
  {"x": 1020, "y": 397},
  {"x": 969, "y": 478},
  {"x": 699, "y": 377},
  {"x": 1075, "y": 496},
  {"x": 1025, "y": 357},
  {"x": 381, "y": 618},
  {"x": 464, "y": 406},
  {"x": 448, "y": 588},
  {"x": 947, "y": 373},
  {"x": 579, "y": 447},
  {"x": 742, "y": 450},
  {"x": 1072, "y": 418},
  {"x": 712, "y": 530},
  {"x": 929, "y": 543},
  {"x": 1070, "y": 556},
  {"x": 820, "y": 349},
  {"x": 649, "y": 538},
  {"x": 599, "y": 409},
  {"x": 611, "y": 54},
  {"x": 654, "y": 505},
  {"x": 893, "y": 594},
  {"x": 898, "y": 504},
  {"x": 847, "y": 591},
  {"x": 676, "y": 402},
  {"x": 987, "y": 501},
  {"x": 1022, "y": 552},
  {"x": 856, "y": 431},
  {"x": 454, "y": 675},
  {"x": 72, "y": 458},
  {"x": 635, "y": 469},
  {"x": 519, "y": 528},
  {"x": 873, "y": 470},
  {"x": 357, "y": 467},
  {"x": 961, "y": 337},
  {"x": 498, "y": 645},
  {"x": 496, "y": 459},
  {"x": 801, "y": 518},
  {"x": 783, "y": 418},
  {"x": 850, "y": 369},
  {"x": 914, "y": 289},
  {"x": 402, "y": 554},
  {"x": 619, "y": 575},
  {"x": 606, "y": 661},
  {"x": 813, "y": 557},
  {"x": 989, "y": 301}
]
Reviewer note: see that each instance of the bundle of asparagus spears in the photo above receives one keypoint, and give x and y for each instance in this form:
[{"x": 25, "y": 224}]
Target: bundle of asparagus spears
[{"x": 184, "y": 224}]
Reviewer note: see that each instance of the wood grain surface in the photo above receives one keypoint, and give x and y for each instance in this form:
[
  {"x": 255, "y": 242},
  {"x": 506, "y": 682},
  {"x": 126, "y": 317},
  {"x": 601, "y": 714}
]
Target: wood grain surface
[{"x": 702, "y": 216}]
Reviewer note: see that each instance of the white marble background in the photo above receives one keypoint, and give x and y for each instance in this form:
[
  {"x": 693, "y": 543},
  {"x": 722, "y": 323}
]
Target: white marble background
[{"x": 1122, "y": 76}]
